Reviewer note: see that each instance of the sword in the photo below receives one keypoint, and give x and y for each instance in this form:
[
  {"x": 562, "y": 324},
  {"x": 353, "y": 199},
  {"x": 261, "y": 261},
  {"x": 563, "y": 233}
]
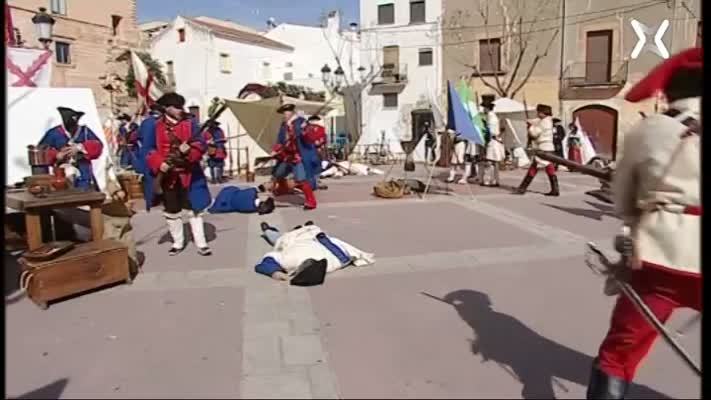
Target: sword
[{"x": 610, "y": 270}]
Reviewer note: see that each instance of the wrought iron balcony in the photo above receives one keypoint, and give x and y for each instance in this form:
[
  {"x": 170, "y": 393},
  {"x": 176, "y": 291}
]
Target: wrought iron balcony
[
  {"x": 392, "y": 79},
  {"x": 590, "y": 80}
]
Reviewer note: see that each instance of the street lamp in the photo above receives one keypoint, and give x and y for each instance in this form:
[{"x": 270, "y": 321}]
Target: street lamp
[
  {"x": 325, "y": 74},
  {"x": 44, "y": 23}
]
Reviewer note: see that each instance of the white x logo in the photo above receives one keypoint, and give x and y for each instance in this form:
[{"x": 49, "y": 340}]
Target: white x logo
[{"x": 642, "y": 32}]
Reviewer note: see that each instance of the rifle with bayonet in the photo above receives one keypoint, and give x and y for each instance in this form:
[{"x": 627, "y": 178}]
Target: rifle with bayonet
[{"x": 175, "y": 158}]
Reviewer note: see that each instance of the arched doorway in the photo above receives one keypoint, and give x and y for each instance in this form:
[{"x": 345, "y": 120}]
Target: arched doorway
[{"x": 600, "y": 123}]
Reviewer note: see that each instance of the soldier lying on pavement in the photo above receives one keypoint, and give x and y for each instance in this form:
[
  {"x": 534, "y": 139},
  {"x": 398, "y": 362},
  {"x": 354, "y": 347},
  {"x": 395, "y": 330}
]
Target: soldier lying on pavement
[{"x": 303, "y": 248}]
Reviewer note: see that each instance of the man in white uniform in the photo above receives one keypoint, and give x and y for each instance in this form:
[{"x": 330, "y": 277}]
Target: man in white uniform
[
  {"x": 540, "y": 133},
  {"x": 495, "y": 152}
]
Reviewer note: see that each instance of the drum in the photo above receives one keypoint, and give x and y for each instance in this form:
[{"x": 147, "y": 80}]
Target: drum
[{"x": 132, "y": 184}]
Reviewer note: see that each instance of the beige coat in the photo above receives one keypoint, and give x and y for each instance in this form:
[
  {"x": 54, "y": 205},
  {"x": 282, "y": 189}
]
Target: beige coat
[
  {"x": 657, "y": 177},
  {"x": 495, "y": 150},
  {"x": 541, "y": 133}
]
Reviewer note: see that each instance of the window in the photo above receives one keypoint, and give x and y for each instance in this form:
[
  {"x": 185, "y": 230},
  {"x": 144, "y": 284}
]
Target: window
[
  {"x": 195, "y": 110},
  {"x": 58, "y": 7},
  {"x": 181, "y": 35},
  {"x": 225, "y": 63},
  {"x": 490, "y": 55},
  {"x": 417, "y": 11},
  {"x": 390, "y": 100},
  {"x": 288, "y": 76},
  {"x": 698, "y": 35},
  {"x": 170, "y": 73},
  {"x": 289, "y": 64},
  {"x": 311, "y": 75},
  {"x": 386, "y": 14},
  {"x": 115, "y": 21},
  {"x": 598, "y": 56},
  {"x": 425, "y": 57},
  {"x": 62, "y": 53}
]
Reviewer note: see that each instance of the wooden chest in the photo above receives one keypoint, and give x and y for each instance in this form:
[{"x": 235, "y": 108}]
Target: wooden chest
[{"x": 87, "y": 266}]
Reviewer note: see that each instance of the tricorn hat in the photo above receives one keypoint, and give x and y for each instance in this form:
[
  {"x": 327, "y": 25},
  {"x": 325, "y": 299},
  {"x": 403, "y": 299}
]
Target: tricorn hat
[
  {"x": 659, "y": 78},
  {"x": 487, "y": 100},
  {"x": 213, "y": 122},
  {"x": 314, "y": 118},
  {"x": 124, "y": 117},
  {"x": 556, "y": 120},
  {"x": 286, "y": 107},
  {"x": 544, "y": 109},
  {"x": 172, "y": 100},
  {"x": 68, "y": 114}
]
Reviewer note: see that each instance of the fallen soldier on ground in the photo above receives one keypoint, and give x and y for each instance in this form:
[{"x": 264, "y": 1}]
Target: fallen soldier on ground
[
  {"x": 242, "y": 200},
  {"x": 302, "y": 253}
]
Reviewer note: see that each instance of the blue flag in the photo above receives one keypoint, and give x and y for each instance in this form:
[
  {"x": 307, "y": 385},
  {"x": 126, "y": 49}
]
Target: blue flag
[{"x": 458, "y": 118}]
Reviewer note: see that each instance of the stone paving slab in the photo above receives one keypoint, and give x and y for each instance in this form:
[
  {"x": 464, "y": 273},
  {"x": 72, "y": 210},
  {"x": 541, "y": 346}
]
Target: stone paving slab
[
  {"x": 580, "y": 214},
  {"x": 181, "y": 344},
  {"x": 224, "y": 232},
  {"x": 536, "y": 339},
  {"x": 407, "y": 228}
]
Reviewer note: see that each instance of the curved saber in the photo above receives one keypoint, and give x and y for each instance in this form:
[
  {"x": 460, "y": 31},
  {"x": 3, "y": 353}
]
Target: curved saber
[{"x": 631, "y": 294}]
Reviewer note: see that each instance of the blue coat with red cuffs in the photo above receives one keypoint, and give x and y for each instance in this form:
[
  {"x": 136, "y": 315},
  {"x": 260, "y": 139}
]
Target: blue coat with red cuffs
[
  {"x": 58, "y": 138},
  {"x": 156, "y": 144},
  {"x": 218, "y": 135},
  {"x": 307, "y": 150}
]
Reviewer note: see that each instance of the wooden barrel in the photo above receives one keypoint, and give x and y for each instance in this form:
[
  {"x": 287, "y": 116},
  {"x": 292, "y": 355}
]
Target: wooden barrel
[{"x": 132, "y": 184}]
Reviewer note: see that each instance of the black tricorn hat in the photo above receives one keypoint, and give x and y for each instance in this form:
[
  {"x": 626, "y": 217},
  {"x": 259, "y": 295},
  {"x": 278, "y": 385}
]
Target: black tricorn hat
[
  {"x": 310, "y": 273},
  {"x": 172, "y": 100},
  {"x": 487, "y": 100},
  {"x": 68, "y": 114},
  {"x": 213, "y": 122},
  {"x": 544, "y": 109},
  {"x": 556, "y": 120},
  {"x": 124, "y": 117},
  {"x": 314, "y": 118},
  {"x": 286, "y": 107}
]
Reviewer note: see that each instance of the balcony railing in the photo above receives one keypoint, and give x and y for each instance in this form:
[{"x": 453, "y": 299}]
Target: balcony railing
[
  {"x": 392, "y": 74},
  {"x": 590, "y": 74}
]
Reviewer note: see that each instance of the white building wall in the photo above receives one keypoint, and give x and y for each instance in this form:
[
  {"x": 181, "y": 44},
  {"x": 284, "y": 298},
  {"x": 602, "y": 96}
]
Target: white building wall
[
  {"x": 423, "y": 83},
  {"x": 314, "y": 46}
]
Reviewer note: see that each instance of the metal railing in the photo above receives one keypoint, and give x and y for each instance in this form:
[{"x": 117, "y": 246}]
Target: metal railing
[
  {"x": 393, "y": 73},
  {"x": 583, "y": 74}
]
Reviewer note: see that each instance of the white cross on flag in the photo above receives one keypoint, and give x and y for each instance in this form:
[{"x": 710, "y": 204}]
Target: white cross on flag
[
  {"x": 146, "y": 88},
  {"x": 28, "y": 67}
]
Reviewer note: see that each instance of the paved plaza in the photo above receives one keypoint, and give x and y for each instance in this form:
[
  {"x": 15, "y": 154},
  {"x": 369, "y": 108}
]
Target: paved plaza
[{"x": 475, "y": 293}]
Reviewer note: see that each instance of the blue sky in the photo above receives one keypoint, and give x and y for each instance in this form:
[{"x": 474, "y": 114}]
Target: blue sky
[{"x": 253, "y": 13}]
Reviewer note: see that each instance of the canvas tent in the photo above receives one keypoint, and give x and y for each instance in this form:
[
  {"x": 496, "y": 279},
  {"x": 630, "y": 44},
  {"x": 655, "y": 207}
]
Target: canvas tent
[
  {"x": 33, "y": 111},
  {"x": 261, "y": 121},
  {"x": 512, "y": 115}
]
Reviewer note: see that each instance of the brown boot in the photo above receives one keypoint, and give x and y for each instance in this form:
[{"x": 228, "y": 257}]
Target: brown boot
[{"x": 524, "y": 185}]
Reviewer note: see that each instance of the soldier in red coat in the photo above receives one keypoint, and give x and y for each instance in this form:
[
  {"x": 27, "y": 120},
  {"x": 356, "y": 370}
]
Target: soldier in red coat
[
  {"x": 656, "y": 187},
  {"x": 175, "y": 155}
]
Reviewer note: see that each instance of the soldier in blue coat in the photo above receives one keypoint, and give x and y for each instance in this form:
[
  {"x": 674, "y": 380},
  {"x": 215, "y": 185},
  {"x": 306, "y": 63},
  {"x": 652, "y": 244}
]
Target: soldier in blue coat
[
  {"x": 127, "y": 138},
  {"x": 215, "y": 138},
  {"x": 75, "y": 145}
]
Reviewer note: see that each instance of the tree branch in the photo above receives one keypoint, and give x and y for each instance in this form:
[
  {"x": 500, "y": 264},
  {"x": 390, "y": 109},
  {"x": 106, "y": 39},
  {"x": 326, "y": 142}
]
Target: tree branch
[
  {"x": 535, "y": 62},
  {"x": 521, "y": 52}
]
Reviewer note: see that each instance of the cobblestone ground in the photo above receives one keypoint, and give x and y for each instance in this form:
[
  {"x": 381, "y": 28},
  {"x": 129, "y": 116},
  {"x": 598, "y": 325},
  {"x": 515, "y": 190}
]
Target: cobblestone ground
[{"x": 522, "y": 316}]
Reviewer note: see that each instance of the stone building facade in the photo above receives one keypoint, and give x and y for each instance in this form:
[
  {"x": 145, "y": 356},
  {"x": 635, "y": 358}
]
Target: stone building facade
[
  {"x": 590, "y": 61},
  {"x": 88, "y": 36}
]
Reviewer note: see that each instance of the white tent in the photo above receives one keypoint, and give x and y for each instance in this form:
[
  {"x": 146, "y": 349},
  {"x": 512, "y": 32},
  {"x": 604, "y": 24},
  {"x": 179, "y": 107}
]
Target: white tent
[
  {"x": 33, "y": 111},
  {"x": 512, "y": 115},
  {"x": 504, "y": 105}
]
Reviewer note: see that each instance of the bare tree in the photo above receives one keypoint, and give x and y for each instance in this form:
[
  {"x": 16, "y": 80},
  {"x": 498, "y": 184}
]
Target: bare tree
[{"x": 524, "y": 40}]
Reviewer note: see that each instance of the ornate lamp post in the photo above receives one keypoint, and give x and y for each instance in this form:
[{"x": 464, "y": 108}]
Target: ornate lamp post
[{"x": 44, "y": 24}]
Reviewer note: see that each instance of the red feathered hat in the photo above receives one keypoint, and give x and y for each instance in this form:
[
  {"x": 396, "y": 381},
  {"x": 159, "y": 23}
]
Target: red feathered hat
[{"x": 657, "y": 79}]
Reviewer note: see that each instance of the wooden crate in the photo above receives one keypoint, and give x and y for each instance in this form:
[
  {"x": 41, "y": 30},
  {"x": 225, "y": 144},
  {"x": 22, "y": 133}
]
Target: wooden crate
[{"x": 87, "y": 266}]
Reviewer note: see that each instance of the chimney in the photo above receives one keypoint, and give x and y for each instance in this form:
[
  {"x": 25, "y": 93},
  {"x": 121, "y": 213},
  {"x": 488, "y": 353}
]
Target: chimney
[{"x": 334, "y": 21}]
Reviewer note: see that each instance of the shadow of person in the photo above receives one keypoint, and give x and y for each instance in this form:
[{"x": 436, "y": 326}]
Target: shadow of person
[
  {"x": 597, "y": 214},
  {"x": 210, "y": 234},
  {"x": 535, "y": 361},
  {"x": 52, "y": 391}
]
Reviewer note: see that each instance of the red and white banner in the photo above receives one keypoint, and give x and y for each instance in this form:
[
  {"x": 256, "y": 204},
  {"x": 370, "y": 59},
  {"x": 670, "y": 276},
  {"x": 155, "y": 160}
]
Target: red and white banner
[
  {"x": 28, "y": 67},
  {"x": 146, "y": 88}
]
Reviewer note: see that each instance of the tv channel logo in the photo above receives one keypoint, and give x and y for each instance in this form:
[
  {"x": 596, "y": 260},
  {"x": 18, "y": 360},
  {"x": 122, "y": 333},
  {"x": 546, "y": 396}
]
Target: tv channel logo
[{"x": 656, "y": 45}]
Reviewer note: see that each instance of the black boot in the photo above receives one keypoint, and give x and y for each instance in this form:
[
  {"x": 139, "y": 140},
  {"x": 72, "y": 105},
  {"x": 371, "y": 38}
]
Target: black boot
[
  {"x": 524, "y": 185},
  {"x": 266, "y": 206},
  {"x": 555, "y": 190},
  {"x": 603, "y": 386}
]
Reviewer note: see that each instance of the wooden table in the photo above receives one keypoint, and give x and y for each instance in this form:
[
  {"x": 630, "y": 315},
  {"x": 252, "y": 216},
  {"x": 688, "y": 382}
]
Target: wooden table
[{"x": 34, "y": 207}]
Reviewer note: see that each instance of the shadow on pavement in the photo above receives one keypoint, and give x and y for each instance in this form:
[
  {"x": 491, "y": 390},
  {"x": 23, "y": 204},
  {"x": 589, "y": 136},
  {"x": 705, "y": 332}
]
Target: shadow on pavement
[
  {"x": 602, "y": 210},
  {"x": 528, "y": 357},
  {"x": 52, "y": 391}
]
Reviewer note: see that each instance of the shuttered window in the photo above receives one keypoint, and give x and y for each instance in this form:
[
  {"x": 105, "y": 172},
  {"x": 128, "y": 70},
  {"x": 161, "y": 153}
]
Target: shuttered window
[
  {"x": 425, "y": 57},
  {"x": 417, "y": 11},
  {"x": 58, "y": 7},
  {"x": 225, "y": 63},
  {"x": 386, "y": 14},
  {"x": 490, "y": 55},
  {"x": 390, "y": 100}
]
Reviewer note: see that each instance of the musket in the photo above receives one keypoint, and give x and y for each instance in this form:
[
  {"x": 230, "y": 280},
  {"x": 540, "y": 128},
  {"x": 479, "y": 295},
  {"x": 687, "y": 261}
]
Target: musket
[
  {"x": 525, "y": 110},
  {"x": 605, "y": 175},
  {"x": 612, "y": 270}
]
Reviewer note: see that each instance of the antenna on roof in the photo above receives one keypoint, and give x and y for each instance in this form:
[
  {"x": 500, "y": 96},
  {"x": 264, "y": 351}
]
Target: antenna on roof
[{"x": 271, "y": 22}]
